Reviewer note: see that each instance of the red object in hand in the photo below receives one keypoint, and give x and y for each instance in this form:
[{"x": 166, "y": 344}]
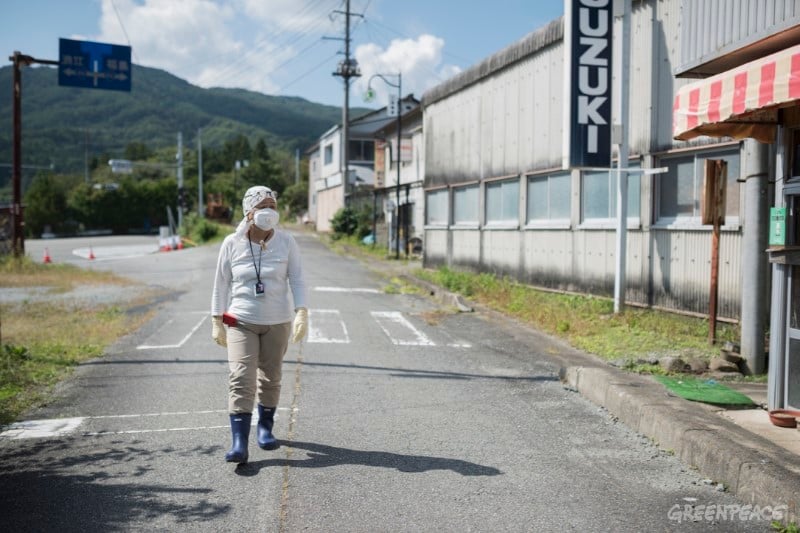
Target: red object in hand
[{"x": 228, "y": 320}]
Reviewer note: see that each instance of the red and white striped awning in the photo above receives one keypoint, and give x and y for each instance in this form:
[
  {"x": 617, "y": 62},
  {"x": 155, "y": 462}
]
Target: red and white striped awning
[{"x": 741, "y": 102}]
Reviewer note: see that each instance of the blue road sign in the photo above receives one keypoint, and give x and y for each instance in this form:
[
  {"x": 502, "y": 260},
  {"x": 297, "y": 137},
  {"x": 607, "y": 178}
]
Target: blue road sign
[{"x": 94, "y": 65}]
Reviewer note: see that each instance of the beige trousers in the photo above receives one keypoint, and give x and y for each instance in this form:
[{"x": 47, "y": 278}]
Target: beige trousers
[{"x": 255, "y": 358}]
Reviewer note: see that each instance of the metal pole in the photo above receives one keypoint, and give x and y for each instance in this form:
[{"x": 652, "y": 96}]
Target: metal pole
[
  {"x": 180, "y": 179},
  {"x": 200, "y": 210},
  {"x": 346, "y": 110},
  {"x": 622, "y": 162},
  {"x": 777, "y": 316},
  {"x": 397, "y": 187},
  {"x": 17, "y": 239},
  {"x": 296, "y": 166},
  {"x": 754, "y": 262},
  {"x": 374, "y": 218}
]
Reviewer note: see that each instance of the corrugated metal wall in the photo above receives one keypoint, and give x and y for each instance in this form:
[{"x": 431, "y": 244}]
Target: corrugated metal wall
[
  {"x": 718, "y": 26},
  {"x": 509, "y": 122}
]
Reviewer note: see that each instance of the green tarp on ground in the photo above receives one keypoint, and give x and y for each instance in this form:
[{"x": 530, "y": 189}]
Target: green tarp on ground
[{"x": 704, "y": 390}]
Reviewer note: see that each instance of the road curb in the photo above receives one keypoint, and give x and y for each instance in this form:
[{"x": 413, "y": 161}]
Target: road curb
[{"x": 754, "y": 469}]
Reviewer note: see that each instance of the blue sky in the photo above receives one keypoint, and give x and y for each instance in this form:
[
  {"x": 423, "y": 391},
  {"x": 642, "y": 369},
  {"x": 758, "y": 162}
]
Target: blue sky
[{"x": 277, "y": 46}]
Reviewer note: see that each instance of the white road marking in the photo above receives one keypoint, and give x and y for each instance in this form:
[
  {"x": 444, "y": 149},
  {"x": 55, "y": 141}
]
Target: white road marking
[
  {"x": 405, "y": 332},
  {"x": 327, "y": 326},
  {"x": 344, "y": 289},
  {"x": 59, "y": 427},
  {"x": 182, "y": 341},
  {"x": 459, "y": 345},
  {"x": 34, "y": 429}
]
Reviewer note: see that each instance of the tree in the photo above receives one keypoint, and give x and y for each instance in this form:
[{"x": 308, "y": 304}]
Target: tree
[
  {"x": 137, "y": 151},
  {"x": 46, "y": 204}
]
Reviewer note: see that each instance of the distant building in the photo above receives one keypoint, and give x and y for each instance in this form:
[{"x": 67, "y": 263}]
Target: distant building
[{"x": 328, "y": 185}]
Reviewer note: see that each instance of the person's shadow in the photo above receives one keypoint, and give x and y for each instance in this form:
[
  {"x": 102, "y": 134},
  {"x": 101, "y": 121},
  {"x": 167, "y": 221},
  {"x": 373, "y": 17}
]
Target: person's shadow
[{"x": 321, "y": 455}]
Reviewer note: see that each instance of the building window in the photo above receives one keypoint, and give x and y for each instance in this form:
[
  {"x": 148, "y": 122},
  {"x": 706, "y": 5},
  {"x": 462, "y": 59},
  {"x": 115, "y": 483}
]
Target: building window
[
  {"x": 328, "y": 154},
  {"x": 362, "y": 150},
  {"x": 599, "y": 194},
  {"x": 681, "y": 187},
  {"x": 436, "y": 206},
  {"x": 548, "y": 197},
  {"x": 502, "y": 202},
  {"x": 465, "y": 205}
]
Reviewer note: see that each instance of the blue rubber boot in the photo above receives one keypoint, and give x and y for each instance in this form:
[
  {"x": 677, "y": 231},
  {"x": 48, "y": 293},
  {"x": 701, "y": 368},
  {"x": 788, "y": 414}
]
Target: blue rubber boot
[
  {"x": 240, "y": 430},
  {"x": 266, "y": 419}
]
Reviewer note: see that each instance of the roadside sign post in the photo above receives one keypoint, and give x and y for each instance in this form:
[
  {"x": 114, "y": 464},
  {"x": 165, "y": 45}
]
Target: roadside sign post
[{"x": 81, "y": 64}]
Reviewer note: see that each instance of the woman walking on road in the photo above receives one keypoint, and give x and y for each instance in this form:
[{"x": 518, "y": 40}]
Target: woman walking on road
[{"x": 252, "y": 316}]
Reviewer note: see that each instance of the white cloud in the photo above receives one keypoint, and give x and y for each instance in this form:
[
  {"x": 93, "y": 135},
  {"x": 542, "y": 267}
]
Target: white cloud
[
  {"x": 418, "y": 60},
  {"x": 212, "y": 42}
]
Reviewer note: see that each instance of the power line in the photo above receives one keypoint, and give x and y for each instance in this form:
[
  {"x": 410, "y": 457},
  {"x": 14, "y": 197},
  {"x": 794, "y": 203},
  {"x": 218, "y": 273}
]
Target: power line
[
  {"x": 307, "y": 73},
  {"x": 124, "y": 31}
]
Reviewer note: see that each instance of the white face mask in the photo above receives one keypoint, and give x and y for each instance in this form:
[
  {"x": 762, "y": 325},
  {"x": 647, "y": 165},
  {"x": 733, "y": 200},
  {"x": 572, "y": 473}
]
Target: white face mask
[{"x": 266, "y": 219}]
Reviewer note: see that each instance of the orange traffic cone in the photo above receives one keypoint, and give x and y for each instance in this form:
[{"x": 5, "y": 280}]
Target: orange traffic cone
[
  {"x": 180, "y": 244},
  {"x": 46, "y": 258},
  {"x": 91, "y": 253}
]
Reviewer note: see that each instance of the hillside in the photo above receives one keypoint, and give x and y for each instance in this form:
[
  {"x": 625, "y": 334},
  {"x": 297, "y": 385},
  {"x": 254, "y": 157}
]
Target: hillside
[{"x": 58, "y": 121}]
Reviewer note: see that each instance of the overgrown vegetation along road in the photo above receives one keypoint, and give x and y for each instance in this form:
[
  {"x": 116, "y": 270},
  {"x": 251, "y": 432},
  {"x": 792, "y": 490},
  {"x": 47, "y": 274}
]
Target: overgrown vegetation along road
[
  {"x": 586, "y": 322},
  {"x": 44, "y": 336}
]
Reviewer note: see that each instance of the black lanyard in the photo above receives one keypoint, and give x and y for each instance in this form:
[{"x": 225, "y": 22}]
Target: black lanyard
[{"x": 253, "y": 257}]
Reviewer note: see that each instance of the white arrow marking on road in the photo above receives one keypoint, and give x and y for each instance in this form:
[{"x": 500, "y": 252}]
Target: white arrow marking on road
[
  {"x": 326, "y": 325},
  {"x": 391, "y": 319},
  {"x": 182, "y": 341}
]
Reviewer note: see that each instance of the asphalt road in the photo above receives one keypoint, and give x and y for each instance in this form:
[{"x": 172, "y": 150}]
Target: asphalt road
[{"x": 395, "y": 415}]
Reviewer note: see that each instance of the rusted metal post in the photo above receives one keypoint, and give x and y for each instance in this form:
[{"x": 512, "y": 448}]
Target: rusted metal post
[{"x": 716, "y": 176}]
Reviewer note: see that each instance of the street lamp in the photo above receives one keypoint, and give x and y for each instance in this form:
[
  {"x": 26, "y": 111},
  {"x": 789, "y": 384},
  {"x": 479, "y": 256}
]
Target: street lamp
[{"x": 370, "y": 94}]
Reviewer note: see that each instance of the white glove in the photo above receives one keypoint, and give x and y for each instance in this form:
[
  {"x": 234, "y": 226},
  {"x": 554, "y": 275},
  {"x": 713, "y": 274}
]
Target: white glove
[
  {"x": 300, "y": 324},
  {"x": 218, "y": 332}
]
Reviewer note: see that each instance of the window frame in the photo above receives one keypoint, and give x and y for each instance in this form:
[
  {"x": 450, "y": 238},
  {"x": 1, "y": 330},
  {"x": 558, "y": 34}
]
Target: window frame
[
  {"x": 694, "y": 222},
  {"x": 502, "y": 223},
  {"x": 549, "y": 222},
  {"x": 634, "y": 221},
  {"x": 437, "y": 225},
  {"x": 469, "y": 224}
]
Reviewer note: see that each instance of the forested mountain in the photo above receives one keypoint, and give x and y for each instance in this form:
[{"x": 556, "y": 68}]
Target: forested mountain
[{"x": 60, "y": 123}]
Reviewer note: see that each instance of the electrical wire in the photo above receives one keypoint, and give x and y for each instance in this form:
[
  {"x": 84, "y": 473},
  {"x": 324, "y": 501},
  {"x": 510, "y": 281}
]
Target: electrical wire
[
  {"x": 285, "y": 86},
  {"x": 271, "y": 42},
  {"x": 124, "y": 31}
]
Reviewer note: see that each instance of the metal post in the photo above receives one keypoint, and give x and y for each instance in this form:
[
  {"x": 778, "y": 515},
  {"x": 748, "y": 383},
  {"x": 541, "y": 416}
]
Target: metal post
[
  {"x": 374, "y": 218},
  {"x": 397, "y": 188},
  {"x": 180, "y": 179},
  {"x": 777, "y": 315},
  {"x": 622, "y": 162},
  {"x": 200, "y": 210}
]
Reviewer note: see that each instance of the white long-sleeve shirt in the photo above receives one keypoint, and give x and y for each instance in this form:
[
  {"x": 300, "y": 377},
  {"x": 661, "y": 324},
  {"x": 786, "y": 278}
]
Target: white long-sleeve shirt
[{"x": 235, "y": 280}]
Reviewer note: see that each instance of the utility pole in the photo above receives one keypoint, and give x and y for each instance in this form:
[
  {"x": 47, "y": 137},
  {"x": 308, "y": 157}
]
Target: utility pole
[
  {"x": 348, "y": 68},
  {"x": 296, "y": 166},
  {"x": 17, "y": 235},
  {"x": 181, "y": 197},
  {"x": 86, "y": 156},
  {"x": 200, "y": 211}
]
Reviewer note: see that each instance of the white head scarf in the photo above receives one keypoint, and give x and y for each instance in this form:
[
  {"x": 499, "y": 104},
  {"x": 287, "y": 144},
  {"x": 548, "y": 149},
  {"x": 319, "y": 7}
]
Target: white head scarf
[{"x": 252, "y": 197}]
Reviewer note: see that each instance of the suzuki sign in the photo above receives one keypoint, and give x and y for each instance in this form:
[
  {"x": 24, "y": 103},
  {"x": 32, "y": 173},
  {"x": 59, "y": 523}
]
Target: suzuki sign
[{"x": 587, "y": 82}]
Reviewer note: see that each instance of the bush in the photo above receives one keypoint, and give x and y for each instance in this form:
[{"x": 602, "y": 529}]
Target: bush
[
  {"x": 200, "y": 230},
  {"x": 349, "y": 221}
]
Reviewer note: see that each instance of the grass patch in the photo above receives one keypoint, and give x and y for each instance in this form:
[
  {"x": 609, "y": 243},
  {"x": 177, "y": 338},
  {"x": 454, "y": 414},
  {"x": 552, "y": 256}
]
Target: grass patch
[
  {"x": 42, "y": 341},
  {"x": 588, "y": 322}
]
